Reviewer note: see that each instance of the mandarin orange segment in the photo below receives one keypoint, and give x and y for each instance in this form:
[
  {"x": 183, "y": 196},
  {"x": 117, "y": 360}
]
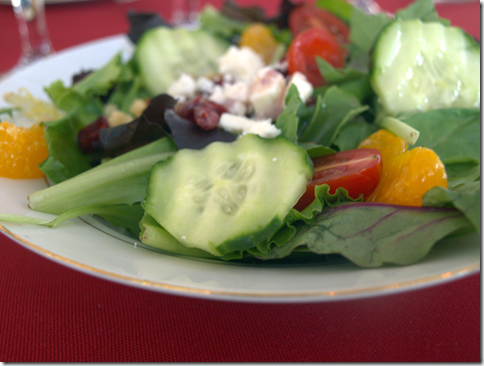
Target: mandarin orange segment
[
  {"x": 21, "y": 151},
  {"x": 259, "y": 37},
  {"x": 386, "y": 142},
  {"x": 406, "y": 175}
]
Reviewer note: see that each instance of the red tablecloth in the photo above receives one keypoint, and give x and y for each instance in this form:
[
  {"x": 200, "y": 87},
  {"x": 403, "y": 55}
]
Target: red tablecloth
[{"x": 52, "y": 313}]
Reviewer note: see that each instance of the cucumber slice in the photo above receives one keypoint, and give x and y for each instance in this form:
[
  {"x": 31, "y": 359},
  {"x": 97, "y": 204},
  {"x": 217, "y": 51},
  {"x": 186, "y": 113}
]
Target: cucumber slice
[
  {"x": 424, "y": 66},
  {"x": 162, "y": 54},
  {"x": 228, "y": 196},
  {"x": 154, "y": 235}
]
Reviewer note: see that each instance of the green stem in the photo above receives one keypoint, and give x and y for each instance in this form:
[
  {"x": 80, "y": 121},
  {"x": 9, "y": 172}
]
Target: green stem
[{"x": 401, "y": 129}]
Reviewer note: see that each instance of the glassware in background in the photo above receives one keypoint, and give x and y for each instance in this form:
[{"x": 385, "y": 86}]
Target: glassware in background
[
  {"x": 368, "y": 6},
  {"x": 185, "y": 13},
  {"x": 34, "y": 35}
]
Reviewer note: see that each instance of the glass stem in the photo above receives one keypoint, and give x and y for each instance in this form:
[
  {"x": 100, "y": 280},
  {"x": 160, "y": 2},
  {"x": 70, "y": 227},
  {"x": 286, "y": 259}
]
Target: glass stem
[{"x": 34, "y": 35}]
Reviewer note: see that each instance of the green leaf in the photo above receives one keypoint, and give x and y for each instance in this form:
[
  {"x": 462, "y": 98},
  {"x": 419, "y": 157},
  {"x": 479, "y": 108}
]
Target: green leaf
[
  {"x": 365, "y": 28},
  {"x": 423, "y": 10},
  {"x": 454, "y": 134},
  {"x": 462, "y": 173},
  {"x": 213, "y": 21},
  {"x": 8, "y": 111},
  {"x": 100, "y": 81},
  {"x": 340, "y": 8},
  {"x": 122, "y": 180},
  {"x": 353, "y": 133},
  {"x": 288, "y": 120},
  {"x": 332, "y": 75},
  {"x": 466, "y": 198},
  {"x": 332, "y": 112},
  {"x": 296, "y": 219},
  {"x": 123, "y": 216},
  {"x": 315, "y": 151},
  {"x": 65, "y": 158},
  {"x": 372, "y": 234}
]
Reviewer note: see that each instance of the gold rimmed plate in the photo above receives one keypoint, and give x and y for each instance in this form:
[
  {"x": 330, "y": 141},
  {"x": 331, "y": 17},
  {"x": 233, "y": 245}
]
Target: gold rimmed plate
[{"x": 88, "y": 245}]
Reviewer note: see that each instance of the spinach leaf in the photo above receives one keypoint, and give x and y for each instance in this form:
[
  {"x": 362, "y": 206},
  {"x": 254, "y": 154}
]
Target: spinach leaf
[
  {"x": 454, "y": 134},
  {"x": 371, "y": 234},
  {"x": 353, "y": 133},
  {"x": 466, "y": 198},
  {"x": 333, "y": 110},
  {"x": 462, "y": 173},
  {"x": 365, "y": 28}
]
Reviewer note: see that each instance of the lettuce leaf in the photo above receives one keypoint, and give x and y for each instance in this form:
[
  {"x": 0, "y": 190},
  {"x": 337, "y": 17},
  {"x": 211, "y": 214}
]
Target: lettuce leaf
[
  {"x": 371, "y": 234},
  {"x": 122, "y": 180}
]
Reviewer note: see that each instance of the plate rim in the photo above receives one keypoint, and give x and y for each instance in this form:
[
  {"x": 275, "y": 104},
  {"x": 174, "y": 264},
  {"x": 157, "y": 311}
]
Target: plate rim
[{"x": 311, "y": 296}]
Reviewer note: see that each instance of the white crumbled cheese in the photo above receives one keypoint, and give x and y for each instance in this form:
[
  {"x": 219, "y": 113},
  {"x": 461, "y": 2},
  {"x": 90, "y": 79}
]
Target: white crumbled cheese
[
  {"x": 234, "y": 97},
  {"x": 240, "y": 63},
  {"x": 241, "y": 125},
  {"x": 238, "y": 91},
  {"x": 304, "y": 87},
  {"x": 183, "y": 88},
  {"x": 266, "y": 93},
  {"x": 218, "y": 95},
  {"x": 205, "y": 85},
  {"x": 236, "y": 107},
  {"x": 263, "y": 129}
]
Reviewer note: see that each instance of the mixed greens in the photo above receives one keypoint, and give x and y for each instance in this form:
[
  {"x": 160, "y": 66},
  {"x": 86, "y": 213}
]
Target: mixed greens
[{"x": 212, "y": 194}]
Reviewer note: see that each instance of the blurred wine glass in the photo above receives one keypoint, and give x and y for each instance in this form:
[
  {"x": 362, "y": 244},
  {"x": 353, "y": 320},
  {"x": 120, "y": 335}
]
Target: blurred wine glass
[
  {"x": 185, "y": 13},
  {"x": 34, "y": 35},
  {"x": 368, "y": 6}
]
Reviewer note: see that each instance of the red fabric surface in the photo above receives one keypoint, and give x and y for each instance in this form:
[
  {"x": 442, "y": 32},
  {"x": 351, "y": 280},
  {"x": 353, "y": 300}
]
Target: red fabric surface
[{"x": 49, "y": 312}]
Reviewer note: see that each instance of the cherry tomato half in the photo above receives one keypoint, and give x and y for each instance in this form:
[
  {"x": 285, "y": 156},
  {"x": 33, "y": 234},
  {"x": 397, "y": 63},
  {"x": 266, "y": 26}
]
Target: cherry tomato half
[
  {"x": 303, "y": 50},
  {"x": 308, "y": 16},
  {"x": 358, "y": 171}
]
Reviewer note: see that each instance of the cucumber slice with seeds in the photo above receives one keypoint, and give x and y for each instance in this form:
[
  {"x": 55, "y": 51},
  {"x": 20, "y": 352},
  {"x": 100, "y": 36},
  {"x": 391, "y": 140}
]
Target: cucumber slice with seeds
[
  {"x": 424, "y": 66},
  {"x": 228, "y": 196}
]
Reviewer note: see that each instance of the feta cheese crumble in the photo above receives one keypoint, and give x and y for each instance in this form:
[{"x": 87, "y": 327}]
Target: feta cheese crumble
[
  {"x": 241, "y": 125},
  {"x": 240, "y": 63}
]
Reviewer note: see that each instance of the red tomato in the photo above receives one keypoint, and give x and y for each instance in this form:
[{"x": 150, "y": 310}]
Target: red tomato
[
  {"x": 308, "y": 16},
  {"x": 309, "y": 44},
  {"x": 358, "y": 171}
]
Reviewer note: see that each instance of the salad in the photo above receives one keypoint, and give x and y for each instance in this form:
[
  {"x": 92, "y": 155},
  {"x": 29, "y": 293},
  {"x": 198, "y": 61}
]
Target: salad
[{"x": 322, "y": 131}]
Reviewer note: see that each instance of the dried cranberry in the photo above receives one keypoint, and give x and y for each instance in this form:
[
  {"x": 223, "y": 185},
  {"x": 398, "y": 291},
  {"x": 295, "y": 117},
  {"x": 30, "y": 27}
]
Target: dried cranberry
[
  {"x": 206, "y": 117},
  {"x": 204, "y": 113},
  {"x": 186, "y": 109},
  {"x": 89, "y": 135}
]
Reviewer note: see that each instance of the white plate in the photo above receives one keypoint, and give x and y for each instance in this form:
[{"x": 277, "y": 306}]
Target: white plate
[{"x": 90, "y": 247}]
